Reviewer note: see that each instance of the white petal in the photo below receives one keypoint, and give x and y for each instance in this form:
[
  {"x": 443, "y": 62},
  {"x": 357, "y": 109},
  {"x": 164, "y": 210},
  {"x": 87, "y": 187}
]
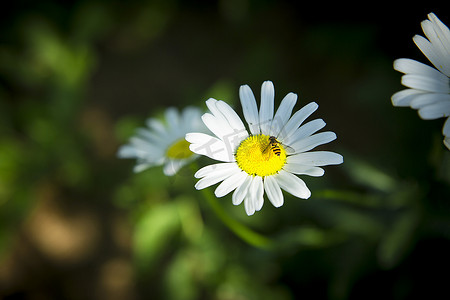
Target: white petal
[
  {"x": 267, "y": 106},
  {"x": 238, "y": 132},
  {"x": 241, "y": 191},
  {"x": 172, "y": 118},
  {"x": 405, "y": 97},
  {"x": 426, "y": 83},
  {"x": 439, "y": 39},
  {"x": 292, "y": 184},
  {"x": 142, "y": 166},
  {"x": 190, "y": 112},
  {"x": 249, "y": 206},
  {"x": 447, "y": 142},
  {"x": 297, "y": 119},
  {"x": 410, "y": 66},
  {"x": 249, "y": 108},
  {"x": 427, "y": 99},
  {"x": 145, "y": 149},
  {"x": 273, "y": 191},
  {"x": 218, "y": 125},
  {"x": 157, "y": 126},
  {"x": 204, "y": 144},
  {"x": 126, "y": 151},
  {"x": 430, "y": 52},
  {"x": 211, "y": 104},
  {"x": 441, "y": 28},
  {"x": 316, "y": 158},
  {"x": 191, "y": 119},
  {"x": 224, "y": 120},
  {"x": 215, "y": 177},
  {"x": 430, "y": 33},
  {"x": 443, "y": 32},
  {"x": 436, "y": 110},
  {"x": 300, "y": 169},
  {"x": 172, "y": 166},
  {"x": 232, "y": 117},
  {"x": 154, "y": 138},
  {"x": 313, "y": 141},
  {"x": 230, "y": 184},
  {"x": 249, "y": 201},
  {"x": 446, "y": 128},
  {"x": 305, "y": 131},
  {"x": 197, "y": 137},
  {"x": 214, "y": 168},
  {"x": 256, "y": 192},
  {"x": 149, "y": 145},
  {"x": 283, "y": 113}
]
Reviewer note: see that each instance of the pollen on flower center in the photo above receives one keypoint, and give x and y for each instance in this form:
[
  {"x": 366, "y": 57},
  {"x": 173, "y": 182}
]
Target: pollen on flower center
[
  {"x": 257, "y": 156},
  {"x": 179, "y": 150}
]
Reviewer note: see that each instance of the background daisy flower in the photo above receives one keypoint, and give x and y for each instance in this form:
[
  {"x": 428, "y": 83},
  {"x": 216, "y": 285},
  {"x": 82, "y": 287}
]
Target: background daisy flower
[
  {"x": 429, "y": 88},
  {"x": 164, "y": 144},
  {"x": 266, "y": 158}
]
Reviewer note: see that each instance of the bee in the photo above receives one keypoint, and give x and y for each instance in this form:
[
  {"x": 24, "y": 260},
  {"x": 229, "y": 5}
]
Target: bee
[{"x": 274, "y": 145}]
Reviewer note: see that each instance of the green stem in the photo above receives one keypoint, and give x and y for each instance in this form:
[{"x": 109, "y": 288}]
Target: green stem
[{"x": 246, "y": 234}]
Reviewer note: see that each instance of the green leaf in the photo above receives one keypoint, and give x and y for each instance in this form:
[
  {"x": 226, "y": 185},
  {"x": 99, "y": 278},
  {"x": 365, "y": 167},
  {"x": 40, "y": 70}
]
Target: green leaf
[
  {"x": 397, "y": 239},
  {"x": 154, "y": 232}
]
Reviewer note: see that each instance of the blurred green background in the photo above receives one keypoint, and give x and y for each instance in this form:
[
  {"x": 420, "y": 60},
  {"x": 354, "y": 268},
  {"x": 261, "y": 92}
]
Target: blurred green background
[{"x": 77, "y": 78}]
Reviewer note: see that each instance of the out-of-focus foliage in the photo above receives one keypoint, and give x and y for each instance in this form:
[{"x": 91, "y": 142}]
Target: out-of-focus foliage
[{"x": 77, "y": 79}]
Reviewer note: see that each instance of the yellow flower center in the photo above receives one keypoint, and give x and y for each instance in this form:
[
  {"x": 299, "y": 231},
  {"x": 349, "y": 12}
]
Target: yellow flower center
[
  {"x": 260, "y": 155},
  {"x": 179, "y": 150}
]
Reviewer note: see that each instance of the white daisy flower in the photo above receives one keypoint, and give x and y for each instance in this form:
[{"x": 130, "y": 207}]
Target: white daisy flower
[
  {"x": 164, "y": 144},
  {"x": 265, "y": 158},
  {"x": 429, "y": 88}
]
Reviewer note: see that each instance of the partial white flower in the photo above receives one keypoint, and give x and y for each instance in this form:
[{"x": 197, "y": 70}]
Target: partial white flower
[
  {"x": 429, "y": 88},
  {"x": 265, "y": 158},
  {"x": 164, "y": 143}
]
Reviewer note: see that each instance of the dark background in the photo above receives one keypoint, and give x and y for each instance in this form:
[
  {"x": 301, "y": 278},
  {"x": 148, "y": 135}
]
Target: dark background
[{"x": 76, "y": 79}]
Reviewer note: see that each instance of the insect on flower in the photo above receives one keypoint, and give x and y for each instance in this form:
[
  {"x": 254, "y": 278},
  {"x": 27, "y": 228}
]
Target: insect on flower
[
  {"x": 256, "y": 161},
  {"x": 274, "y": 145}
]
